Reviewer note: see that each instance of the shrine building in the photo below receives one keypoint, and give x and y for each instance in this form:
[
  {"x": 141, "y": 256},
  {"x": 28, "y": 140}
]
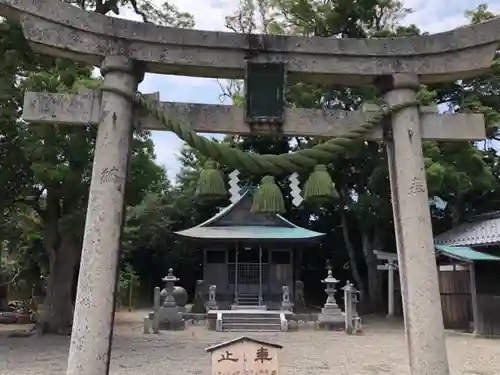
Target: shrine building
[{"x": 250, "y": 256}]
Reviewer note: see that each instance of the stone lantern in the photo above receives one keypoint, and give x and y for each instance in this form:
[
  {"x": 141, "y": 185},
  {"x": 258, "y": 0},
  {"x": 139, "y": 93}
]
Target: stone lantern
[
  {"x": 351, "y": 300},
  {"x": 331, "y": 316},
  {"x": 178, "y": 292},
  {"x": 170, "y": 316},
  {"x": 170, "y": 281},
  {"x": 330, "y": 290}
]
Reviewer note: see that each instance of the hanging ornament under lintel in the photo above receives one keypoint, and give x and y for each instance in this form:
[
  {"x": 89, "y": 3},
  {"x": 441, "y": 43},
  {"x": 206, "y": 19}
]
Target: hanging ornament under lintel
[
  {"x": 295, "y": 189},
  {"x": 319, "y": 186},
  {"x": 211, "y": 186},
  {"x": 234, "y": 187},
  {"x": 268, "y": 198}
]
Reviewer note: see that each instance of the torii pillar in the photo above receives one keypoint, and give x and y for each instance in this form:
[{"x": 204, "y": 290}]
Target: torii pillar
[{"x": 413, "y": 229}]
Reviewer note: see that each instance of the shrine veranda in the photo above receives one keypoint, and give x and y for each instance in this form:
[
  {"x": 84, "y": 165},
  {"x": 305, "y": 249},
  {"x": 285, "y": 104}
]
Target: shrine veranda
[{"x": 125, "y": 50}]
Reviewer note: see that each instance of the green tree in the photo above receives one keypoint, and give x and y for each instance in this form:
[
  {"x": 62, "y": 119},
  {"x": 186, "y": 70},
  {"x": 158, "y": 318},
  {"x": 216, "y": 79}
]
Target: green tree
[
  {"x": 465, "y": 174},
  {"x": 361, "y": 221},
  {"x": 49, "y": 167},
  {"x": 457, "y": 172},
  {"x": 340, "y": 19},
  {"x": 151, "y": 247}
]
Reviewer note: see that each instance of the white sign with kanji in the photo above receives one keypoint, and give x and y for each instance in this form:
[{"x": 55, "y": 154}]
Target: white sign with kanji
[{"x": 245, "y": 356}]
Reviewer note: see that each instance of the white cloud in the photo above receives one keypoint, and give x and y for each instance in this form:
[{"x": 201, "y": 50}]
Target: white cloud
[
  {"x": 208, "y": 15},
  {"x": 429, "y": 15},
  {"x": 437, "y": 16}
]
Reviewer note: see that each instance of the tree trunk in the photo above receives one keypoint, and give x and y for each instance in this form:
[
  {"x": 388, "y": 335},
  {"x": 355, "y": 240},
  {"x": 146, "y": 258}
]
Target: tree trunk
[
  {"x": 57, "y": 314},
  {"x": 455, "y": 214},
  {"x": 352, "y": 255},
  {"x": 4, "y": 295},
  {"x": 374, "y": 275}
]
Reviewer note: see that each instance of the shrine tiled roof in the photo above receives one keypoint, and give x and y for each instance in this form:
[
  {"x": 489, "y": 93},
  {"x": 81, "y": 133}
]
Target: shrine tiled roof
[
  {"x": 463, "y": 253},
  {"x": 466, "y": 254},
  {"x": 482, "y": 230},
  {"x": 237, "y": 222},
  {"x": 249, "y": 232}
]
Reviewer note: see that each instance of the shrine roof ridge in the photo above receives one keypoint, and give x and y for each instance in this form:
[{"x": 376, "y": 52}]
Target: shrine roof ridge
[
  {"x": 241, "y": 339},
  {"x": 463, "y": 253},
  {"x": 54, "y": 27},
  {"x": 250, "y": 233},
  {"x": 281, "y": 230},
  {"x": 481, "y": 230},
  {"x": 466, "y": 253}
]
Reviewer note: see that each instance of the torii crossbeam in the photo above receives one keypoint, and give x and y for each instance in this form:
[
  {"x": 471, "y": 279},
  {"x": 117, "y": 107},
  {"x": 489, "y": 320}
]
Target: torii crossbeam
[{"x": 85, "y": 109}]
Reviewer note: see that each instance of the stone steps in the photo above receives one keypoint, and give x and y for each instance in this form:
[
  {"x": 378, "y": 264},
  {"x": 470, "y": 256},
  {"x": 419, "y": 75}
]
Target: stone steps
[
  {"x": 249, "y": 321},
  {"x": 249, "y": 307},
  {"x": 252, "y": 320},
  {"x": 248, "y": 299},
  {"x": 251, "y": 327}
]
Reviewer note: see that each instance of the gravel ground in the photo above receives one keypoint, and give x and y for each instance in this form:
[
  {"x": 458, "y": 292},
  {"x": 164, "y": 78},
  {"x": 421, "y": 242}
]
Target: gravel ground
[{"x": 380, "y": 350}]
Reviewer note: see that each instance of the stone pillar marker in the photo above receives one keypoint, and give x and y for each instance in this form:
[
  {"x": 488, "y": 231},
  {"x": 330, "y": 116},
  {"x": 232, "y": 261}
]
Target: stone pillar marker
[
  {"x": 390, "y": 288},
  {"x": 156, "y": 310},
  {"x": 91, "y": 338},
  {"x": 352, "y": 319},
  {"x": 348, "y": 311},
  {"x": 414, "y": 238},
  {"x": 199, "y": 300}
]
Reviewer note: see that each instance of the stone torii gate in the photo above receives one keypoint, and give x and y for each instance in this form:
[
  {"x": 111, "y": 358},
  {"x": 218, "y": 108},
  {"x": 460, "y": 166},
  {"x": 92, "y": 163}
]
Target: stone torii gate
[
  {"x": 390, "y": 266},
  {"x": 125, "y": 50}
]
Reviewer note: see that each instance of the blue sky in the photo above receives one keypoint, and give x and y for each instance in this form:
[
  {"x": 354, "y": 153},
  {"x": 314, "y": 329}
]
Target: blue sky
[{"x": 430, "y": 15}]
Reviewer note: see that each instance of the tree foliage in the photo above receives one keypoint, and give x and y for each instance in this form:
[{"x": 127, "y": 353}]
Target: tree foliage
[{"x": 48, "y": 167}]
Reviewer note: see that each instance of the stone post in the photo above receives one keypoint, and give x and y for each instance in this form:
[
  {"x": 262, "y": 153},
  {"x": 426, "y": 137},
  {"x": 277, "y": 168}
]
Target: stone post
[
  {"x": 414, "y": 238},
  {"x": 348, "y": 313},
  {"x": 91, "y": 338},
  {"x": 390, "y": 288},
  {"x": 199, "y": 301},
  {"x": 147, "y": 324},
  {"x": 299, "y": 302},
  {"x": 355, "y": 316},
  {"x": 156, "y": 310}
]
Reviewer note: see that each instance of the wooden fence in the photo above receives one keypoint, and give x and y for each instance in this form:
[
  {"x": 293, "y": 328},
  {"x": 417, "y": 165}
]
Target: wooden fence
[
  {"x": 454, "y": 287},
  {"x": 489, "y": 315}
]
